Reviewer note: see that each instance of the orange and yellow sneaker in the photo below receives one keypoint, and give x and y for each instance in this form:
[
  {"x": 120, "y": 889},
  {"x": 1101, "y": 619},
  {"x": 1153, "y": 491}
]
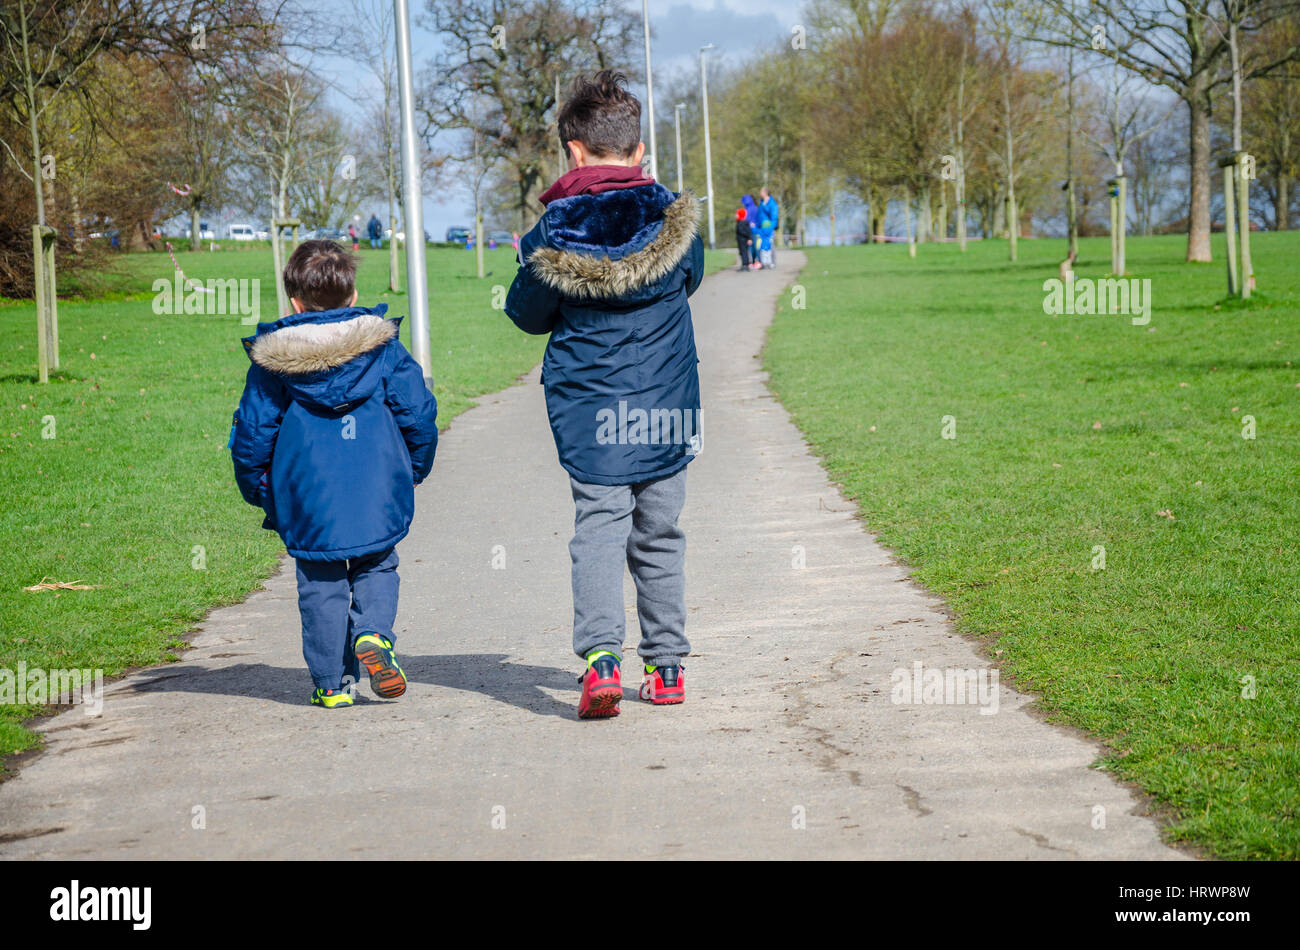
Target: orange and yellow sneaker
[{"x": 376, "y": 654}]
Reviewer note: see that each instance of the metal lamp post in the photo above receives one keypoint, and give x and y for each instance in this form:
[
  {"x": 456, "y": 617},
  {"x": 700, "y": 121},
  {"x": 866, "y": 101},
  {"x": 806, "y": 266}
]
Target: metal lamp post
[
  {"x": 417, "y": 288},
  {"x": 708, "y": 154},
  {"x": 677, "y": 124},
  {"x": 649, "y": 91}
]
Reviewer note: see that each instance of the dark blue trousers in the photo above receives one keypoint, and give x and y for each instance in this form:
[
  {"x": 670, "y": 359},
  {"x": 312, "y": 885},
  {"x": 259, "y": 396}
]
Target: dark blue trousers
[{"x": 340, "y": 601}]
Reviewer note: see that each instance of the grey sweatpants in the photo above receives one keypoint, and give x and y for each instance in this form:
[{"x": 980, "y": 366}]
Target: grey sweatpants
[{"x": 636, "y": 526}]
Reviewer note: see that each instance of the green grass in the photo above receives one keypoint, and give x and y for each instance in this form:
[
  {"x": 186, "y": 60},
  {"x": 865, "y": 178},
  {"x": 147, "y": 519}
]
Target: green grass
[
  {"x": 137, "y": 476},
  {"x": 1074, "y": 432}
]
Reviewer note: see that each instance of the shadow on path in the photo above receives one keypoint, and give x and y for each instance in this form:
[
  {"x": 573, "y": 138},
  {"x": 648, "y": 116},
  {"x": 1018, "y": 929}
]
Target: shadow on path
[{"x": 516, "y": 684}]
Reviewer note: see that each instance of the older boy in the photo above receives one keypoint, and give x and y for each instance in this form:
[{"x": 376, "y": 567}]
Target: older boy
[{"x": 606, "y": 272}]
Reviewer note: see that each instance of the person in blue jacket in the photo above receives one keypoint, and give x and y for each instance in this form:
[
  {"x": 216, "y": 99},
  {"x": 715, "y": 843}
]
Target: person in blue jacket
[
  {"x": 607, "y": 272},
  {"x": 769, "y": 209},
  {"x": 333, "y": 432}
]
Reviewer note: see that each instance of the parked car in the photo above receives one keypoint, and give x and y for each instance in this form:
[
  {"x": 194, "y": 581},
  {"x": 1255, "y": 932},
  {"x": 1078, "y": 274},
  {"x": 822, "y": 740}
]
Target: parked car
[
  {"x": 205, "y": 231},
  {"x": 500, "y": 238},
  {"x": 327, "y": 234},
  {"x": 241, "y": 232},
  {"x": 458, "y": 235}
]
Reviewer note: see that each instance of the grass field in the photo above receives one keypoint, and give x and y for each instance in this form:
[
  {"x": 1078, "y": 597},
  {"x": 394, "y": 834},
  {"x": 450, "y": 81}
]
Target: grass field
[
  {"x": 1073, "y": 434},
  {"x": 134, "y": 493}
]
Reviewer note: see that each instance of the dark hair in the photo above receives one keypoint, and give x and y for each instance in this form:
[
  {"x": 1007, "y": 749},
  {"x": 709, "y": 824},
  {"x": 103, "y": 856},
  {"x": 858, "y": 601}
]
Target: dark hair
[
  {"x": 602, "y": 115},
  {"x": 321, "y": 274}
]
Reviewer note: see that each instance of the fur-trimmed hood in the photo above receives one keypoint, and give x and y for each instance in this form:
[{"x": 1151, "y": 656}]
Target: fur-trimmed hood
[
  {"x": 331, "y": 359},
  {"x": 615, "y": 245}
]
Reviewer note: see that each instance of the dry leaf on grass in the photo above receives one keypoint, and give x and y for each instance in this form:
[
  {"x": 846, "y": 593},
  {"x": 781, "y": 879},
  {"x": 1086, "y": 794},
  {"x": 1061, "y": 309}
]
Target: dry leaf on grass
[{"x": 61, "y": 585}]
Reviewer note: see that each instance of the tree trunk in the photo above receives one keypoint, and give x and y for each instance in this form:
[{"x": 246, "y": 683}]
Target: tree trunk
[
  {"x": 196, "y": 238},
  {"x": 923, "y": 215},
  {"x": 78, "y": 231},
  {"x": 1198, "y": 221},
  {"x": 1282, "y": 214}
]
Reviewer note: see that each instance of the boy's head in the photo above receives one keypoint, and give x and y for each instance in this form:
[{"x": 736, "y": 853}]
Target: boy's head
[
  {"x": 741, "y": 214},
  {"x": 320, "y": 275},
  {"x": 764, "y": 193},
  {"x": 600, "y": 124}
]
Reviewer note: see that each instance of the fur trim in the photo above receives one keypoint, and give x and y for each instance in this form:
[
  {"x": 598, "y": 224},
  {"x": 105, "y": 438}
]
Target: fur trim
[
  {"x": 585, "y": 276},
  {"x": 316, "y": 347}
]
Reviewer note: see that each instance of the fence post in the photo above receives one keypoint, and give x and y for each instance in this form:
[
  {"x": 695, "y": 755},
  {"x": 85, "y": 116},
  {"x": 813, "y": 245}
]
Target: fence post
[
  {"x": 1112, "y": 189},
  {"x": 1121, "y": 222},
  {"x": 1229, "y": 166},
  {"x": 1245, "y": 171},
  {"x": 42, "y": 316}
]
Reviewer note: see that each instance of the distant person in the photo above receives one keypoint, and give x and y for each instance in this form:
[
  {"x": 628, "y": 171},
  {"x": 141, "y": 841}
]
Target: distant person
[
  {"x": 333, "y": 432},
  {"x": 768, "y": 208},
  {"x": 607, "y": 272},
  {"x": 352, "y": 233},
  {"x": 744, "y": 239},
  {"x": 765, "y": 244},
  {"x": 376, "y": 231}
]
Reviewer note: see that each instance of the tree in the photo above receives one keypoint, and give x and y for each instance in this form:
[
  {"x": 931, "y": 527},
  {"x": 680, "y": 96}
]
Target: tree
[
  {"x": 277, "y": 125},
  {"x": 1271, "y": 120},
  {"x": 1019, "y": 98},
  {"x": 205, "y": 128},
  {"x": 1127, "y": 119},
  {"x": 494, "y": 78},
  {"x": 1182, "y": 45},
  {"x": 329, "y": 180},
  {"x": 48, "y": 48},
  {"x": 375, "y": 47}
]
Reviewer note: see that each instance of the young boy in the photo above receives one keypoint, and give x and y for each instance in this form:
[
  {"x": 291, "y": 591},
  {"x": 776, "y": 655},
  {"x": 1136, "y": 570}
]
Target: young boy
[
  {"x": 744, "y": 238},
  {"x": 606, "y": 272},
  {"x": 334, "y": 431}
]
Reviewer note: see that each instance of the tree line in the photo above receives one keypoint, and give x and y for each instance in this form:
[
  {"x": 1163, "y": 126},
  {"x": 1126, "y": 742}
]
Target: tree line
[{"x": 936, "y": 118}]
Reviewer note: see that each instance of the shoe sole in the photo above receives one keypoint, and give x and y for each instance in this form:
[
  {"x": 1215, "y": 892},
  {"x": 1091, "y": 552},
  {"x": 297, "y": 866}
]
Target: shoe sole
[
  {"x": 665, "y": 699},
  {"x": 602, "y": 703},
  {"x": 320, "y": 705},
  {"x": 385, "y": 678}
]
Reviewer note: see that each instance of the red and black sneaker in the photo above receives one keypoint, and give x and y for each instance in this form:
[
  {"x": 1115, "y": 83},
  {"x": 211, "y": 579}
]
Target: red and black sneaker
[
  {"x": 602, "y": 688},
  {"x": 664, "y": 685}
]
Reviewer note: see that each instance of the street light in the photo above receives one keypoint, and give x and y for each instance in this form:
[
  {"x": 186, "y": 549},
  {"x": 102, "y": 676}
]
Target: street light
[
  {"x": 677, "y": 124},
  {"x": 417, "y": 288},
  {"x": 708, "y": 154},
  {"x": 649, "y": 90}
]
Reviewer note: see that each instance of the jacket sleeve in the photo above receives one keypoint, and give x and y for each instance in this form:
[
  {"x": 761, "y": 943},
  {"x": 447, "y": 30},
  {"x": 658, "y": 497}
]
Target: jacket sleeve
[
  {"x": 531, "y": 304},
  {"x": 694, "y": 264},
  {"x": 415, "y": 410},
  {"x": 256, "y": 426}
]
